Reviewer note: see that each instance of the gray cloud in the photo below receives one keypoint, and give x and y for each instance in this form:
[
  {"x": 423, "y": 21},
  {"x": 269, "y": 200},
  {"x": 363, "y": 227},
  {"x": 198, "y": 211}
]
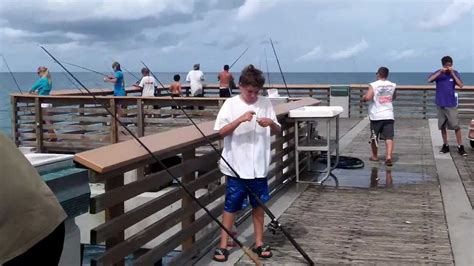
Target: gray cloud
[{"x": 105, "y": 29}]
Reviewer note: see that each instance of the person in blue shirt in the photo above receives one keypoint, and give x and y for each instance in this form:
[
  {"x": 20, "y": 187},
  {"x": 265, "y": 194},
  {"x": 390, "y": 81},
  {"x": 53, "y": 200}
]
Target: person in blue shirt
[
  {"x": 117, "y": 80},
  {"x": 43, "y": 87},
  {"x": 44, "y": 84}
]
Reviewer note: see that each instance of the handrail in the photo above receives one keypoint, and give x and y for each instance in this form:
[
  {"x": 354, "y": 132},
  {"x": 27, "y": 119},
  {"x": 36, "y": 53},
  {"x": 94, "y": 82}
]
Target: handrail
[
  {"x": 110, "y": 158},
  {"x": 198, "y": 171}
]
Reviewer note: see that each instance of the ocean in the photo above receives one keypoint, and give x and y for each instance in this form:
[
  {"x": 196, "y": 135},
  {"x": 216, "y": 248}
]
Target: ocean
[{"x": 92, "y": 80}]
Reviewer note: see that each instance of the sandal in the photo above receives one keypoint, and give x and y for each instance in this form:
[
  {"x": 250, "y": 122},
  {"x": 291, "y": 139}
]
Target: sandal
[
  {"x": 263, "y": 249},
  {"x": 388, "y": 162},
  {"x": 221, "y": 252}
]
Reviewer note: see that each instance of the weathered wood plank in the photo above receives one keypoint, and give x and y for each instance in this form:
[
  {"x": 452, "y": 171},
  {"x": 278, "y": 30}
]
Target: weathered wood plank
[
  {"x": 108, "y": 229},
  {"x": 149, "y": 182}
]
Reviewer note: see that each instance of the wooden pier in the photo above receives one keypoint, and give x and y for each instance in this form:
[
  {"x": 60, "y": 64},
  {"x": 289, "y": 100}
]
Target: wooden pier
[{"x": 368, "y": 220}]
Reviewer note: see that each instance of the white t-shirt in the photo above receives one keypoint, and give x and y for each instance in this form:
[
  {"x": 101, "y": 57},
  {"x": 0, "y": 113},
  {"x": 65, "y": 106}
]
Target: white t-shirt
[
  {"x": 381, "y": 107},
  {"x": 195, "y": 78},
  {"x": 247, "y": 149},
  {"x": 148, "y": 84}
]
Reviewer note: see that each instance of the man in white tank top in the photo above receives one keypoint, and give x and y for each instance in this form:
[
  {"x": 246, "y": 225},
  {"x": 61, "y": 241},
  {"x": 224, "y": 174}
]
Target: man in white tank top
[{"x": 380, "y": 96}]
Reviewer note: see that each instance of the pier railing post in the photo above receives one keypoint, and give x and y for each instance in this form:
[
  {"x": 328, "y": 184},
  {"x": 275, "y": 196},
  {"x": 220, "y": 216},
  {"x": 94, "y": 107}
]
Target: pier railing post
[
  {"x": 113, "y": 212},
  {"x": 425, "y": 92},
  {"x": 113, "y": 122},
  {"x": 186, "y": 200},
  {"x": 15, "y": 126},
  {"x": 140, "y": 118},
  {"x": 39, "y": 125},
  {"x": 140, "y": 132},
  {"x": 279, "y": 150}
]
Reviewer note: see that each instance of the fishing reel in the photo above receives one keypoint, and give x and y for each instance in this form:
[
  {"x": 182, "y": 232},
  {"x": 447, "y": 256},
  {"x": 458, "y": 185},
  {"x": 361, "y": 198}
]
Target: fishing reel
[{"x": 273, "y": 226}]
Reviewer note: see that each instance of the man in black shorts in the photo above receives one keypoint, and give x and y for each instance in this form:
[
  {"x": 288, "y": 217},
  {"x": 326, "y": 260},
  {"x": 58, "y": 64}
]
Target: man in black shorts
[{"x": 380, "y": 95}]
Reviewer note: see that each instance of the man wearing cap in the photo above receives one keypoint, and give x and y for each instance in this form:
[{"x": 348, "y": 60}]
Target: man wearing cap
[{"x": 195, "y": 77}]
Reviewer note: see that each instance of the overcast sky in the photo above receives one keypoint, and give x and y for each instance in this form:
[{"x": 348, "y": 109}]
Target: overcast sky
[{"x": 172, "y": 35}]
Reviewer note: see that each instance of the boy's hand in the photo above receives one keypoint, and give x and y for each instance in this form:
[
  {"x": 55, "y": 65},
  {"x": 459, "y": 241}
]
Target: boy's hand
[
  {"x": 247, "y": 116},
  {"x": 264, "y": 122}
]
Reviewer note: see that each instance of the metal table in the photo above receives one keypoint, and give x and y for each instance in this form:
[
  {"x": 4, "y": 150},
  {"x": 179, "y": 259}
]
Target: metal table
[{"x": 312, "y": 116}]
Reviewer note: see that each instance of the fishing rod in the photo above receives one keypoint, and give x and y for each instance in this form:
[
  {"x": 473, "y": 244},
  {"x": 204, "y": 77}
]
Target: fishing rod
[
  {"x": 85, "y": 68},
  {"x": 129, "y": 72},
  {"x": 11, "y": 74},
  {"x": 236, "y": 60},
  {"x": 185, "y": 189},
  {"x": 268, "y": 72},
  {"x": 278, "y": 62},
  {"x": 274, "y": 224},
  {"x": 73, "y": 83},
  {"x": 161, "y": 84}
]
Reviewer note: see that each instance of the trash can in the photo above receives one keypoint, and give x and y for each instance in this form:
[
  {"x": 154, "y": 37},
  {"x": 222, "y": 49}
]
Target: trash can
[{"x": 339, "y": 96}]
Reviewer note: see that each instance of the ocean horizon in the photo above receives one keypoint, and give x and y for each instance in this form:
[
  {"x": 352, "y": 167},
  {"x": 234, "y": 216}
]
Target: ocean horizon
[{"x": 93, "y": 80}]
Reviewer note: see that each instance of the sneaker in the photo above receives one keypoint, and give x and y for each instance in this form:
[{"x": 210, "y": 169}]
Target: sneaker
[
  {"x": 461, "y": 150},
  {"x": 445, "y": 149}
]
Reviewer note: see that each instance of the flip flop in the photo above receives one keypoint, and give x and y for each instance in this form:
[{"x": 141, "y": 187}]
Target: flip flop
[
  {"x": 388, "y": 162},
  {"x": 260, "y": 250},
  {"x": 373, "y": 160},
  {"x": 221, "y": 252}
]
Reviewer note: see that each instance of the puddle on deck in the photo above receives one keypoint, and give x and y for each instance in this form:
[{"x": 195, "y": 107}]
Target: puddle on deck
[{"x": 371, "y": 177}]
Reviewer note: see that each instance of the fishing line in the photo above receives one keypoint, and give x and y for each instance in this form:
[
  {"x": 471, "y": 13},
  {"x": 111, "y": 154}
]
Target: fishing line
[
  {"x": 11, "y": 74},
  {"x": 236, "y": 60},
  {"x": 85, "y": 68},
  {"x": 268, "y": 72},
  {"x": 281, "y": 72}
]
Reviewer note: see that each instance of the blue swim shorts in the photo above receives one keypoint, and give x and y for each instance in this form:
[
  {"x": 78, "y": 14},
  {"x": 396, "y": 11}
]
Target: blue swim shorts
[{"x": 237, "y": 196}]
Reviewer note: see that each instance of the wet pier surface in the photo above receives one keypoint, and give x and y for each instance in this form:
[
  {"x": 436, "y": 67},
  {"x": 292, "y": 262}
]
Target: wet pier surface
[{"x": 379, "y": 214}]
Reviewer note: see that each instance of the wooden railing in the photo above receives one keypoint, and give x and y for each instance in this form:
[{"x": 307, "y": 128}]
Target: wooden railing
[
  {"x": 197, "y": 170},
  {"x": 81, "y": 125},
  {"x": 413, "y": 101}
]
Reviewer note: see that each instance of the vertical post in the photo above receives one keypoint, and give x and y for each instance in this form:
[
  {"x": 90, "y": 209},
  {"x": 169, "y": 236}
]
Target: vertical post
[
  {"x": 424, "y": 103},
  {"x": 113, "y": 212},
  {"x": 328, "y": 96},
  {"x": 186, "y": 200},
  {"x": 297, "y": 158},
  {"x": 15, "y": 126},
  {"x": 361, "y": 94},
  {"x": 279, "y": 160},
  {"x": 113, "y": 122},
  {"x": 140, "y": 118},
  {"x": 39, "y": 125},
  {"x": 140, "y": 132},
  {"x": 350, "y": 102}
]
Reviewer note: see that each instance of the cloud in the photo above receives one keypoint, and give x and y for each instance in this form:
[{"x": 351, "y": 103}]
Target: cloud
[
  {"x": 311, "y": 55},
  {"x": 396, "y": 55},
  {"x": 251, "y": 8},
  {"x": 106, "y": 21},
  {"x": 349, "y": 52},
  {"x": 451, "y": 14}
]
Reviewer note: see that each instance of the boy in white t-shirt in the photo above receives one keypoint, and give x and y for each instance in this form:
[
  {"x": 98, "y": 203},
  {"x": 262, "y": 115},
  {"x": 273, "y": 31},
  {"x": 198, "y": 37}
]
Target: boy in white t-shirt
[
  {"x": 147, "y": 83},
  {"x": 246, "y": 122},
  {"x": 381, "y": 94}
]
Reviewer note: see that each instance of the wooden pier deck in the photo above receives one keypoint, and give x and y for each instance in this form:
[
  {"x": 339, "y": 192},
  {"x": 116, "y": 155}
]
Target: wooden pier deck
[{"x": 371, "y": 219}]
